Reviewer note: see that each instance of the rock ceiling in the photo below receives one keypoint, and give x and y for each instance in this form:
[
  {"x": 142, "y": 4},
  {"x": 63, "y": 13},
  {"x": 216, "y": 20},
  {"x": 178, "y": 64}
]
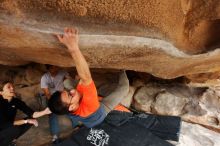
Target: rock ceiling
[{"x": 166, "y": 38}]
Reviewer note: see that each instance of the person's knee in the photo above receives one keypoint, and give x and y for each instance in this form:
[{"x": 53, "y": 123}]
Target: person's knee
[
  {"x": 123, "y": 83},
  {"x": 123, "y": 79}
]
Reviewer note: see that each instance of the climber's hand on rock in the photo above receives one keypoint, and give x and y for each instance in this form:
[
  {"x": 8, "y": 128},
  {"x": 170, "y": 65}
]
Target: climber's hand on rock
[{"x": 70, "y": 39}]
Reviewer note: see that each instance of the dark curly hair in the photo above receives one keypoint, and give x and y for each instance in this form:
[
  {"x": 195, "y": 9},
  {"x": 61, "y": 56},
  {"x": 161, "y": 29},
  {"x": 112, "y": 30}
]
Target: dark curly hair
[
  {"x": 2, "y": 84},
  {"x": 56, "y": 105}
]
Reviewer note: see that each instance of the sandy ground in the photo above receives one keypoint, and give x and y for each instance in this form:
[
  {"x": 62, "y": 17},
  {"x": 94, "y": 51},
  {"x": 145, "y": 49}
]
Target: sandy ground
[{"x": 40, "y": 136}]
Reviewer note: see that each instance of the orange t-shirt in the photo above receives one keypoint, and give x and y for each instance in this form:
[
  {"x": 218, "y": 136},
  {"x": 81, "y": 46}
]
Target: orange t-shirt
[
  {"x": 89, "y": 102},
  {"x": 121, "y": 108}
]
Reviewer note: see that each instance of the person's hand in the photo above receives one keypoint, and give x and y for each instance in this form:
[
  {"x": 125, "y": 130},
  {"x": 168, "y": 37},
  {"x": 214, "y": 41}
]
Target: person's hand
[
  {"x": 47, "y": 111},
  {"x": 33, "y": 122},
  {"x": 70, "y": 38}
]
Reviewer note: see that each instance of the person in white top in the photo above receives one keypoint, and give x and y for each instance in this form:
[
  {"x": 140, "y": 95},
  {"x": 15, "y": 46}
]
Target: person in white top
[{"x": 51, "y": 82}]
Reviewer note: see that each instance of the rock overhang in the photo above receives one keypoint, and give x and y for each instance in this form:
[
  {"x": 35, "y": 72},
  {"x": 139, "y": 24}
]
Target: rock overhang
[{"x": 165, "y": 38}]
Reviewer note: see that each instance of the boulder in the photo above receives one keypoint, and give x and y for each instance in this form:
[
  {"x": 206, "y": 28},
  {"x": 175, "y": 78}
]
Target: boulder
[
  {"x": 169, "y": 104},
  {"x": 166, "y": 38},
  {"x": 195, "y": 105},
  {"x": 196, "y": 135},
  {"x": 145, "y": 97}
]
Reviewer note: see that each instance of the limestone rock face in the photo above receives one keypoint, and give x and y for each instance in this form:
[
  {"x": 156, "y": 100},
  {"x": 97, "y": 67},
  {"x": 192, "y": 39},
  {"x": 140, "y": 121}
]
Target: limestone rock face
[
  {"x": 172, "y": 105},
  {"x": 166, "y": 38},
  {"x": 194, "y": 105},
  {"x": 144, "y": 97},
  {"x": 195, "y": 135}
]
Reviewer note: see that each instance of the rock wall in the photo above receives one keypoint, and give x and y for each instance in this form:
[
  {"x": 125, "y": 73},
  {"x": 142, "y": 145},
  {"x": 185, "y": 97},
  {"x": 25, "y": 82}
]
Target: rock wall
[
  {"x": 166, "y": 38},
  {"x": 165, "y": 97},
  {"x": 194, "y": 105}
]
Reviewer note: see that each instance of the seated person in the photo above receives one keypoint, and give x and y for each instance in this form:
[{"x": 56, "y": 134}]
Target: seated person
[
  {"x": 82, "y": 104},
  {"x": 51, "y": 82},
  {"x": 11, "y": 129}
]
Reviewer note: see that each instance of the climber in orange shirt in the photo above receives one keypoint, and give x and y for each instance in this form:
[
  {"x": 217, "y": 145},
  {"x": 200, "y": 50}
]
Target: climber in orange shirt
[{"x": 82, "y": 104}]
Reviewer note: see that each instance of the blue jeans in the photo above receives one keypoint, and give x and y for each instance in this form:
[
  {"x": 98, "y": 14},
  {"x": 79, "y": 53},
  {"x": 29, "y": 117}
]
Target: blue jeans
[
  {"x": 165, "y": 127},
  {"x": 54, "y": 124},
  {"x": 120, "y": 129}
]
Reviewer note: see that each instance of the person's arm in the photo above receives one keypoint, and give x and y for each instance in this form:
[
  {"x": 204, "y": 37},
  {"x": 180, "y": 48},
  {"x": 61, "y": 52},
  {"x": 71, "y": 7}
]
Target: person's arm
[
  {"x": 6, "y": 123},
  {"x": 46, "y": 93},
  {"x": 70, "y": 40},
  {"x": 27, "y": 121},
  {"x": 41, "y": 113},
  {"x": 28, "y": 111},
  {"x": 19, "y": 122}
]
